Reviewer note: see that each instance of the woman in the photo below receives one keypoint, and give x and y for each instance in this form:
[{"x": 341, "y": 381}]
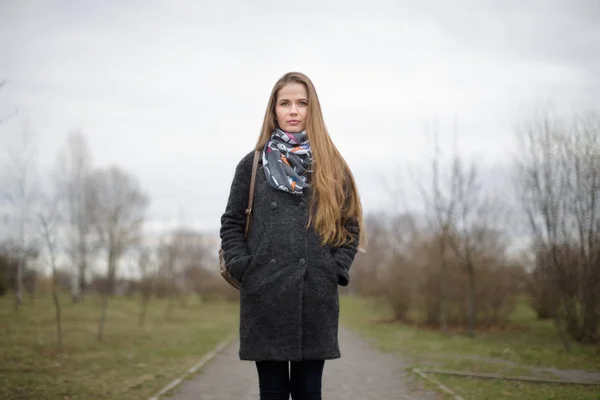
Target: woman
[{"x": 306, "y": 228}]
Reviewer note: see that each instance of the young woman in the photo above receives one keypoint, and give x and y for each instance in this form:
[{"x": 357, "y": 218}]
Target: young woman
[{"x": 305, "y": 231}]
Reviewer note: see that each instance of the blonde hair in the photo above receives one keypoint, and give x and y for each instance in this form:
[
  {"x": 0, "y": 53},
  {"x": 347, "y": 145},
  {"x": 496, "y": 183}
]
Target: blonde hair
[{"x": 335, "y": 199}]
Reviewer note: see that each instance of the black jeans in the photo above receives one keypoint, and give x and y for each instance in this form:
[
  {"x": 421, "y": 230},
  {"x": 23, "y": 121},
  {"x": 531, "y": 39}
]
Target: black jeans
[{"x": 276, "y": 382}]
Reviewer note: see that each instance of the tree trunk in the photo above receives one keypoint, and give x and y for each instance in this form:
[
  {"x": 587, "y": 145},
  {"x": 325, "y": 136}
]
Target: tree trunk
[
  {"x": 102, "y": 317},
  {"x": 58, "y": 315},
  {"x": 561, "y": 333},
  {"x": 145, "y": 301},
  {"x": 572, "y": 318},
  {"x": 19, "y": 280},
  {"x": 111, "y": 282},
  {"x": 172, "y": 294},
  {"x": 471, "y": 300},
  {"x": 82, "y": 266},
  {"x": 81, "y": 280},
  {"x": 106, "y": 292},
  {"x": 591, "y": 318},
  {"x": 55, "y": 299},
  {"x": 443, "y": 311},
  {"x": 74, "y": 293}
]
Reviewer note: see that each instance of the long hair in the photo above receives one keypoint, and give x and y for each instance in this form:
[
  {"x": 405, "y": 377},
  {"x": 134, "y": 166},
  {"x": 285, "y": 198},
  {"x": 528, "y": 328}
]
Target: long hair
[{"x": 335, "y": 200}]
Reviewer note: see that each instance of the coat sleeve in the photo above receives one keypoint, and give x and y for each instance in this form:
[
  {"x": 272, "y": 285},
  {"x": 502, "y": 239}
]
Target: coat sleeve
[
  {"x": 233, "y": 221},
  {"x": 344, "y": 255}
]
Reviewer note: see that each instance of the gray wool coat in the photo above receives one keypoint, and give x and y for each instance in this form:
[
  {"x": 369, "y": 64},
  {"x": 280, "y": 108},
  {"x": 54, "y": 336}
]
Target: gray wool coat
[{"x": 289, "y": 305}]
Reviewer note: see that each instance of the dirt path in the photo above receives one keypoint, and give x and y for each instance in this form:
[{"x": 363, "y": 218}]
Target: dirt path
[{"x": 363, "y": 373}]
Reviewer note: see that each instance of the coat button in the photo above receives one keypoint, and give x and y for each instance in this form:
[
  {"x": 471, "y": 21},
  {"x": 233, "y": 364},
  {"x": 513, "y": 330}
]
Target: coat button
[
  {"x": 273, "y": 261},
  {"x": 274, "y": 205},
  {"x": 302, "y": 261},
  {"x": 302, "y": 204}
]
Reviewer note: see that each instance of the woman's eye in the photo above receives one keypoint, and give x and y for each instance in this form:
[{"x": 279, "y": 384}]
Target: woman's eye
[{"x": 303, "y": 103}]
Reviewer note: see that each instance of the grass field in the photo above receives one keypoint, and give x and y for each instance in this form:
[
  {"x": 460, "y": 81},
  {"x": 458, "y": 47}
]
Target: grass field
[
  {"x": 132, "y": 362},
  {"x": 534, "y": 351},
  {"x": 135, "y": 362}
]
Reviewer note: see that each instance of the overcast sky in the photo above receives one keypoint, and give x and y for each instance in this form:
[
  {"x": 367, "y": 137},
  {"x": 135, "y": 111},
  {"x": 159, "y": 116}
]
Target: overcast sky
[{"x": 175, "y": 91}]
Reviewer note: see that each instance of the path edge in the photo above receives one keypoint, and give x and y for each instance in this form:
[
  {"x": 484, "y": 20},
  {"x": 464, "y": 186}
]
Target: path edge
[
  {"x": 440, "y": 385},
  {"x": 209, "y": 356}
]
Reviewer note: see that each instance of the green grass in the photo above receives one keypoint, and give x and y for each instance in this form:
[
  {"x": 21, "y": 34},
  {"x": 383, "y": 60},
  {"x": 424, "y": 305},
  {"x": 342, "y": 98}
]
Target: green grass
[
  {"x": 508, "y": 352},
  {"x": 132, "y": 362},
  {"x": 480, "y": 389},
  {"x": 539, "y": 346}
]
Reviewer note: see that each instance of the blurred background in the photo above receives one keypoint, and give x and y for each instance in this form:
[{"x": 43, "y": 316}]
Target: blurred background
[{"x": 472, "y": 129}]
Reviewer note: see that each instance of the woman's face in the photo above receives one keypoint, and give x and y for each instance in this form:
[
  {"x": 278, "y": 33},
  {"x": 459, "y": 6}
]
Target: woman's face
[{"x": 291, "y": 107}]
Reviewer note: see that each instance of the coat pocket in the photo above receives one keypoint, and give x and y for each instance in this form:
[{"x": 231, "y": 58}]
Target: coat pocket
[
  {"x": 244, "y": 273},
  {"x": 332, "y": 268},
  {"x": 255, "y": 268}
]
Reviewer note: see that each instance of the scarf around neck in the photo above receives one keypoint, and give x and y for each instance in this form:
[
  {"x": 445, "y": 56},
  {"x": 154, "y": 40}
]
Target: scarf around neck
[{"x": 287, "y": 158}]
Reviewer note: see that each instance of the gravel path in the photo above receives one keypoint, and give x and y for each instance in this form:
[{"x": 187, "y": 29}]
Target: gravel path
[{"x": 363, "y": 373}]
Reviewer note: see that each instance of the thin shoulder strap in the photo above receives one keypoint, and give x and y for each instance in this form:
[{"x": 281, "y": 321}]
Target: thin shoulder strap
[{"x": 251, "y": 192}]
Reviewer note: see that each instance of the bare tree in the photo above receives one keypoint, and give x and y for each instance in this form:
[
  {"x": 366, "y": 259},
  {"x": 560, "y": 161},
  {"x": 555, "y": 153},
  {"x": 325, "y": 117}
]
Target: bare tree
[
  {"x": 72, "y": 174},
  {"x": 20, "y": 192},
  {"x": 119, "y": 207},
  {"x": 49, "y": 219},
  {"x": 441, "y": 211},
  {"x": 461, "y": 235},
  {"x": 369, "y": 269},
  {"x": 195, "y": 258},
  {"x": 542, "y": 189},
  {"x": 170, "y": 256},
  {"x": 558, "y": 172},
  {"x": 477, "y": 229},
  {"x": 468, "y": 195},
  {"x": 148, "y": 264},
  {"x": 582, "y": 163}
]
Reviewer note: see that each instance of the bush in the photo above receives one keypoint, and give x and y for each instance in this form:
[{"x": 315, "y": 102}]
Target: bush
[
  {"x": 543, "y": 301},
  {"x": 399, "y": 282},
  {"x": 566, "y": 279},
  {"x": 3, "y": 284},
  {"x": 412, "y": 283},
  {"x": 8, "y": 267}
]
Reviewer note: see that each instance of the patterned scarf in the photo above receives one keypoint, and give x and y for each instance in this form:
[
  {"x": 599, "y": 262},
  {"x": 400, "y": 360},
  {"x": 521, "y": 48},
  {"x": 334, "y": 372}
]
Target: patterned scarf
[{"x": 287, "y": 158}]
